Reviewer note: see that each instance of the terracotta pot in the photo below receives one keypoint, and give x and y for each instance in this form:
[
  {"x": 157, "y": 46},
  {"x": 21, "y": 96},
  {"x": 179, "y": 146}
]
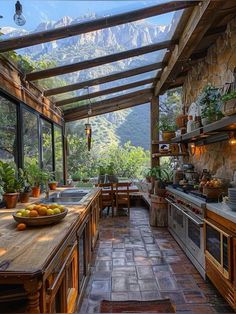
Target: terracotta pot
[
  {"x": 24, "y": 197},
  {"x": 10, "y": 199},
  {"x": 36, "y": 191},
  {"x": 167, "y": 136},
  {"x": 52, "y": 185}
]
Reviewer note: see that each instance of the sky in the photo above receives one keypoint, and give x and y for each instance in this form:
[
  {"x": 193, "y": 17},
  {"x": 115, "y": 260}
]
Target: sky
[{"x": 36, "y": 11}]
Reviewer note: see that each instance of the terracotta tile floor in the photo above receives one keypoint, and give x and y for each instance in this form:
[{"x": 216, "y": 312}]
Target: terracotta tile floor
[{"x": 136, "y": 262}]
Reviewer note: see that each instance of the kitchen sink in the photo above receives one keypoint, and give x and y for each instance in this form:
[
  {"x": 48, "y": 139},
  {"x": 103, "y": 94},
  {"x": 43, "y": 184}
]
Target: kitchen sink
[{"x": 67, "y": 197}]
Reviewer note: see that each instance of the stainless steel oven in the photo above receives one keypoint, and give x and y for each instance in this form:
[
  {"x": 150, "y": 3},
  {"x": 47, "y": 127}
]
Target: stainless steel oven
[
  {"x": 195, "y": 240},
  {"x": 187, "y": 229}
]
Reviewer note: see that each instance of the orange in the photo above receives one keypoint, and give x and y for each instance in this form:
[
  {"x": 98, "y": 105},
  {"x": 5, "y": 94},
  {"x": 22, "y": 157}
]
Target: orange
[
  {"x": 36, "y": 207},
  {"x": 33, "y": 213},
  {"x": 42, "y": 211},
  {"x": 21, "y": 227}
]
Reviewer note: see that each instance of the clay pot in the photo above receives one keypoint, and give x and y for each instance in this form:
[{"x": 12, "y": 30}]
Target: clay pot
[
  {"x": 52, "y": 185},
  {"x": 36, "y": 191},
  {"x": 10, "y": 199},
  {"x": 24, "y": 197},
  {"x": 167, "y": 136}
]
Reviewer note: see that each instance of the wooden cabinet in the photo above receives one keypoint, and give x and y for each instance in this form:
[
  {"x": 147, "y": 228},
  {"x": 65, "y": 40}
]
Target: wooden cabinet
[
  {"x": 220, "y": 254},
  {"x": 65, "y": 253}
]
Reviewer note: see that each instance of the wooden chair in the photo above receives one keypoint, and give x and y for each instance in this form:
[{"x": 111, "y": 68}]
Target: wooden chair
[
  {"x": 107, "y": 197},
  {"x": 123, "y": 195}
]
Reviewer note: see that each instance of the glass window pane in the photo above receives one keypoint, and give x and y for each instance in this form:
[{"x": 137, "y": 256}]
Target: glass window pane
[
  {"x": 30, "y": 137},
  {"x": 8, "y": 128},
  {"x": 58, "y": 153},
  {"x": 47, "y": 157}
]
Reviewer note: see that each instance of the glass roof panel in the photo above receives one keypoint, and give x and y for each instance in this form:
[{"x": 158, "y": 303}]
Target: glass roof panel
[
  {"x": 105, "y": 97},
  {"x": 49, "y": 14},
  {"x": 53, "y": 14},
  {"x": 96, "y": 88}
]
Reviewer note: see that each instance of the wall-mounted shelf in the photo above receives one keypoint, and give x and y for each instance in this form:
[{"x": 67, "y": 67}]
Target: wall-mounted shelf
[
  {"x": 161, "y": 142},
  {"x": 211, "y": 133},
  {"x": 158, "y": 155}
]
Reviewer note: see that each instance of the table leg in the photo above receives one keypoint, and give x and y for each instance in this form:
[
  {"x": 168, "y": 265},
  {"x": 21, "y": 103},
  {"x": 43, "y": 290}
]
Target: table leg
[{"x": 32, "y": 288}]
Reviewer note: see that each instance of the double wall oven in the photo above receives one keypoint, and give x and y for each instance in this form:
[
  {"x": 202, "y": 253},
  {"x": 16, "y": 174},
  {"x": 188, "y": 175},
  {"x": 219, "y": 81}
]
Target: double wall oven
[{"x": 185, "y": 223}]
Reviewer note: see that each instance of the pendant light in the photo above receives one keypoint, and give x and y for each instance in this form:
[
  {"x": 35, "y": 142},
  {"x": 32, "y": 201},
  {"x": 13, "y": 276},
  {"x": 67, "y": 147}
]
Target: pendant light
[
  {"x": 88, "y": 126},
  {"x": 18, "y": 17}
]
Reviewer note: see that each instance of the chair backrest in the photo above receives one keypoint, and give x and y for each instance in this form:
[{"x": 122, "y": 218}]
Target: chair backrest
[{"x": 122, "y": 188}]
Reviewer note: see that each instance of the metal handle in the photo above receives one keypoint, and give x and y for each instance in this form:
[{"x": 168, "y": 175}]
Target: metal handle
[
  {"x": 50, "y": 289},
  {"x": 200, "y": 224}
]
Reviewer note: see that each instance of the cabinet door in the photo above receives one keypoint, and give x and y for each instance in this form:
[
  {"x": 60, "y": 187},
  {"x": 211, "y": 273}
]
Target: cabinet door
[
  {"x": 95, "y": 214},
  {"x": 62, "y": 284},
  {"x": 71, "y": 278}
]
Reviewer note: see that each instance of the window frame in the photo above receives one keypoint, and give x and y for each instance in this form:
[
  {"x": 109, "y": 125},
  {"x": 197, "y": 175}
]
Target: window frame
[{"x": 20, "y": 106}]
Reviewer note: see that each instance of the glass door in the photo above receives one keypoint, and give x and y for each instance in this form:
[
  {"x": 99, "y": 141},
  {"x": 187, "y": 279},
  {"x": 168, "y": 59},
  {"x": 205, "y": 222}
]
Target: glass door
[{"x": 218, "y": 248}]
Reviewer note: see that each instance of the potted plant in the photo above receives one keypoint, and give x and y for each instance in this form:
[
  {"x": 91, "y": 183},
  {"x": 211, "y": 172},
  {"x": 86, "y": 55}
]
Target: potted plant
[
  {"x": 9, "y": 184},
  {"x": 25, "y": 187},
  {"x": 37, "y": 178},
  {"x": 52, "y": 183},
  {"x": 229, "y": 103},
  {"x": 162, "y": 177},
  {"x": 112, "y": 178},
  {"x": 77, "y": 176},
  {"x": 167, "y": 127},
  {"x": 210, "y": 104}
]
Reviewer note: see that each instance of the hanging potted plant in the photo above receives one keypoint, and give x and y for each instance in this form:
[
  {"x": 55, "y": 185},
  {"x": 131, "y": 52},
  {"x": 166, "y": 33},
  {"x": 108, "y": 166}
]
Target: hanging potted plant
[
  {"x": 210, "y": 105},
  {"x": 9, "y": 184},
  {"x": 25, "y": 187},
  {"x": 167, "y": 127}
]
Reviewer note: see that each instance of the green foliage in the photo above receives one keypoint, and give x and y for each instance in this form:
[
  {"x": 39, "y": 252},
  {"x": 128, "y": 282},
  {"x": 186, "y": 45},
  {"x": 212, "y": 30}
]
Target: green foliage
[
  {"x": 36, "y": 175},
  {"x": 23, "y": 178},
  {"x": 229, "y": 96},
  {"x": 9, "y": 182},
  {"x": 166, "y": 124},
  {"x": 210, "y": 103}
]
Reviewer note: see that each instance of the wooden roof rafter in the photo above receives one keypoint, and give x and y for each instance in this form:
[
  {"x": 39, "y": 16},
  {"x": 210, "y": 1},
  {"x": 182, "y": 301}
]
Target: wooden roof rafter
[
  {"x": 103, "y": 92},
  {"x": 69, "y": 68},
  {"x": 94, "y": 25},
  {"x": 197, "y": 26},
  {"x": 111, "y": 104},
  {"x": 104, "y": 79}
]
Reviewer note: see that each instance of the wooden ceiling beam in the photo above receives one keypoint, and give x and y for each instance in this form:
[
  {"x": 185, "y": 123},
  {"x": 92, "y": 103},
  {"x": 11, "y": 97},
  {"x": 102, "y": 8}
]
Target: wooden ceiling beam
[
  {"x": 198, "y": 24},
  {"x": 125, "y": 104},
  {"x": 69, "y": 68},
  {"x": 103, "y": 92},
  {"x": 109, "y": 102},
  {"x": 104, "y": 79},
  {"x": 94, "y": 25}
]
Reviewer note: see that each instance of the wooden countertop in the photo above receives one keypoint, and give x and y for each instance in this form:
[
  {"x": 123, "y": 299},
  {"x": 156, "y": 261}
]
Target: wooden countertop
[{"x": 29, "y": 251}]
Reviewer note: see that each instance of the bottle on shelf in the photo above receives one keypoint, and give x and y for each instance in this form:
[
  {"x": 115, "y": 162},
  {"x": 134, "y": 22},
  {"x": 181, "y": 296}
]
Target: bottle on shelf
[{"x": 190, "y": 124}]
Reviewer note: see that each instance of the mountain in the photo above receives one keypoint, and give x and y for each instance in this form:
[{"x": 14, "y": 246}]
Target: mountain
[{"x": 131, "y": 124}]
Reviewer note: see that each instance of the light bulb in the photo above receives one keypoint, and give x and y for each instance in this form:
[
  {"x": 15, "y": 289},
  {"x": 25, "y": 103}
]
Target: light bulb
[{"x": 18, "y": 17}]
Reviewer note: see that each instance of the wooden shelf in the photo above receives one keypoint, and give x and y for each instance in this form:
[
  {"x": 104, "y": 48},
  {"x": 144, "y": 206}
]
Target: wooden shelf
[
  {"x": 161, "y": 142},
  {"x": 211, "y": 133},
  {"x": 169, "y": 155}
]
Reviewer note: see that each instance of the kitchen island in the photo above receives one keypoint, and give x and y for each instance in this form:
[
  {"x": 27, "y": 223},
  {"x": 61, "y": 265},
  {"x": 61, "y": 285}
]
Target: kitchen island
[{"x": 45, "y": 269}]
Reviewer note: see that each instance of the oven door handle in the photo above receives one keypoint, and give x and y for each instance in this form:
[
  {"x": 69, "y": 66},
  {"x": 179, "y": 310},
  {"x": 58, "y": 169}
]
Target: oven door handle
[
  {"x": 199, "y": 224},
  {"x": 173, "y": 204}
]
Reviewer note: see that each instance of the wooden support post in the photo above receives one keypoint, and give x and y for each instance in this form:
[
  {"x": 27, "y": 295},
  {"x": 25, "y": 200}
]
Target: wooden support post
[{"x": 154, "y": 130}]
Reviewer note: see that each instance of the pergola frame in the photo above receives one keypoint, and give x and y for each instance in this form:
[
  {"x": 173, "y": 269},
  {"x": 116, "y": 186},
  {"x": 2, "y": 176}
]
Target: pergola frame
[{"x": 195, "y": 24}]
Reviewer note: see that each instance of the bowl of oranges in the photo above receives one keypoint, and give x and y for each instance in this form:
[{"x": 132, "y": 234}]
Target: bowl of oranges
[{"x": 40, "y": 214}]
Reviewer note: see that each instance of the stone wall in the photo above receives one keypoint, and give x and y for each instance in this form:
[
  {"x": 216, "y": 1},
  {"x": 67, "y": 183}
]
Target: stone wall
[{"x": 217, "y": 68}]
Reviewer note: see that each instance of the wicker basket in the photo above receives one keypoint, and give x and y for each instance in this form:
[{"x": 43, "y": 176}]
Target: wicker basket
[
  {"x": 229, "y": 107},
  {"x": 212, "y": 192}
]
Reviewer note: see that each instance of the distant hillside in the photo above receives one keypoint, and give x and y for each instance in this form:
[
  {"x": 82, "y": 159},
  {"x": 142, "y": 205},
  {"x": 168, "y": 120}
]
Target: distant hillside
[{"x": 121, "y": 126}]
